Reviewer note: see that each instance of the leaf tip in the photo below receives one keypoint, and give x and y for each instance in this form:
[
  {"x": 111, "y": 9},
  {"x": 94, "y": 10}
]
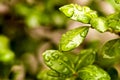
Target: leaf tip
[{"x": 67, "y": 10}]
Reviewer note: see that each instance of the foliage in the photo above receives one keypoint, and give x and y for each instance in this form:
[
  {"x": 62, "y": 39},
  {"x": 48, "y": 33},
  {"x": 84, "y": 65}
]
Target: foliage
[
  {"x": 85, "y": 67},
  {"x": 30, "y": 48}
]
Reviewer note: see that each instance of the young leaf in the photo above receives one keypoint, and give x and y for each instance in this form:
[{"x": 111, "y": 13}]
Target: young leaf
[
  {"x": 99, "y": 24},
  {"x": 73, "y": 38},
  {"x": 78, "y": 13},
  {"x": 113, "y": 21},
  {"x": 58, "y": 62},
  {"x": 92, "y": 72},
  {"x": 109, "y": 53},
  {"x": 86, "y": 57}
]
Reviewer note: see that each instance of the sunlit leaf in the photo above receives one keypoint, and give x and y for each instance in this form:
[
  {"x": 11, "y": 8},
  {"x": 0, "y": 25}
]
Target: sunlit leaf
[
  {"x": 57, "y": 61},
  {"x": 78, "y": 13},
  {"x": 73, "y": 38},
  {"x": 93, "y": 72},
  {"x": 113, "y": 21},
  {"x": 99, "y": 24}
]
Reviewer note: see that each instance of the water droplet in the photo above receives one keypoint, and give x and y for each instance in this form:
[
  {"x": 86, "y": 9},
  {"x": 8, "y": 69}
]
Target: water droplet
[
  {"x": 65, "y": 70},
  {"x": 49, "y": 63},
  {"x": 83, "y": 34},
  {"x": 56, "y": 56},
  {"x": 47, "y": 58}
]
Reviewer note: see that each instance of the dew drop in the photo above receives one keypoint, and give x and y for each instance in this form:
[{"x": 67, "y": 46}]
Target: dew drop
[
  {"x": 83, "y": 34},
  {"x": 49, "y": 63},
  {"x": 55, "y": 56},
  {"x": 65, "y": 70},
  {"x": 47, "y": 58}
]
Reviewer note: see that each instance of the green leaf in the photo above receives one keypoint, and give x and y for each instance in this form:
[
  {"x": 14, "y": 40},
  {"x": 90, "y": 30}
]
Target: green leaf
[
  {"x": 86, "y": 57},
  {"x": 43, "y": 75},
  {"x": 68, "y": 10},
  {"x": 109, "y": 54},
  {"x": 58, "y": 62},
  {"x": 113, "y": 21},
  {"x": 73, "y": 38},
  {"x": 114, "y": 5},
  {"x": 93, "y": 72},
  {"x": 78, "y": 13},
  {"x": 99, "y": 24}
]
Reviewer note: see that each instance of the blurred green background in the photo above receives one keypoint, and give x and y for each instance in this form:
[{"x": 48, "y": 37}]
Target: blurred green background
[{"x": 29, "y": 27}]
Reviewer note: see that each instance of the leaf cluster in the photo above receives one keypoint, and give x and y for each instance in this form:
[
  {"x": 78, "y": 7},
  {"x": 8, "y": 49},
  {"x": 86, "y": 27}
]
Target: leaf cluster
[{"x": 90, "y": 63}]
